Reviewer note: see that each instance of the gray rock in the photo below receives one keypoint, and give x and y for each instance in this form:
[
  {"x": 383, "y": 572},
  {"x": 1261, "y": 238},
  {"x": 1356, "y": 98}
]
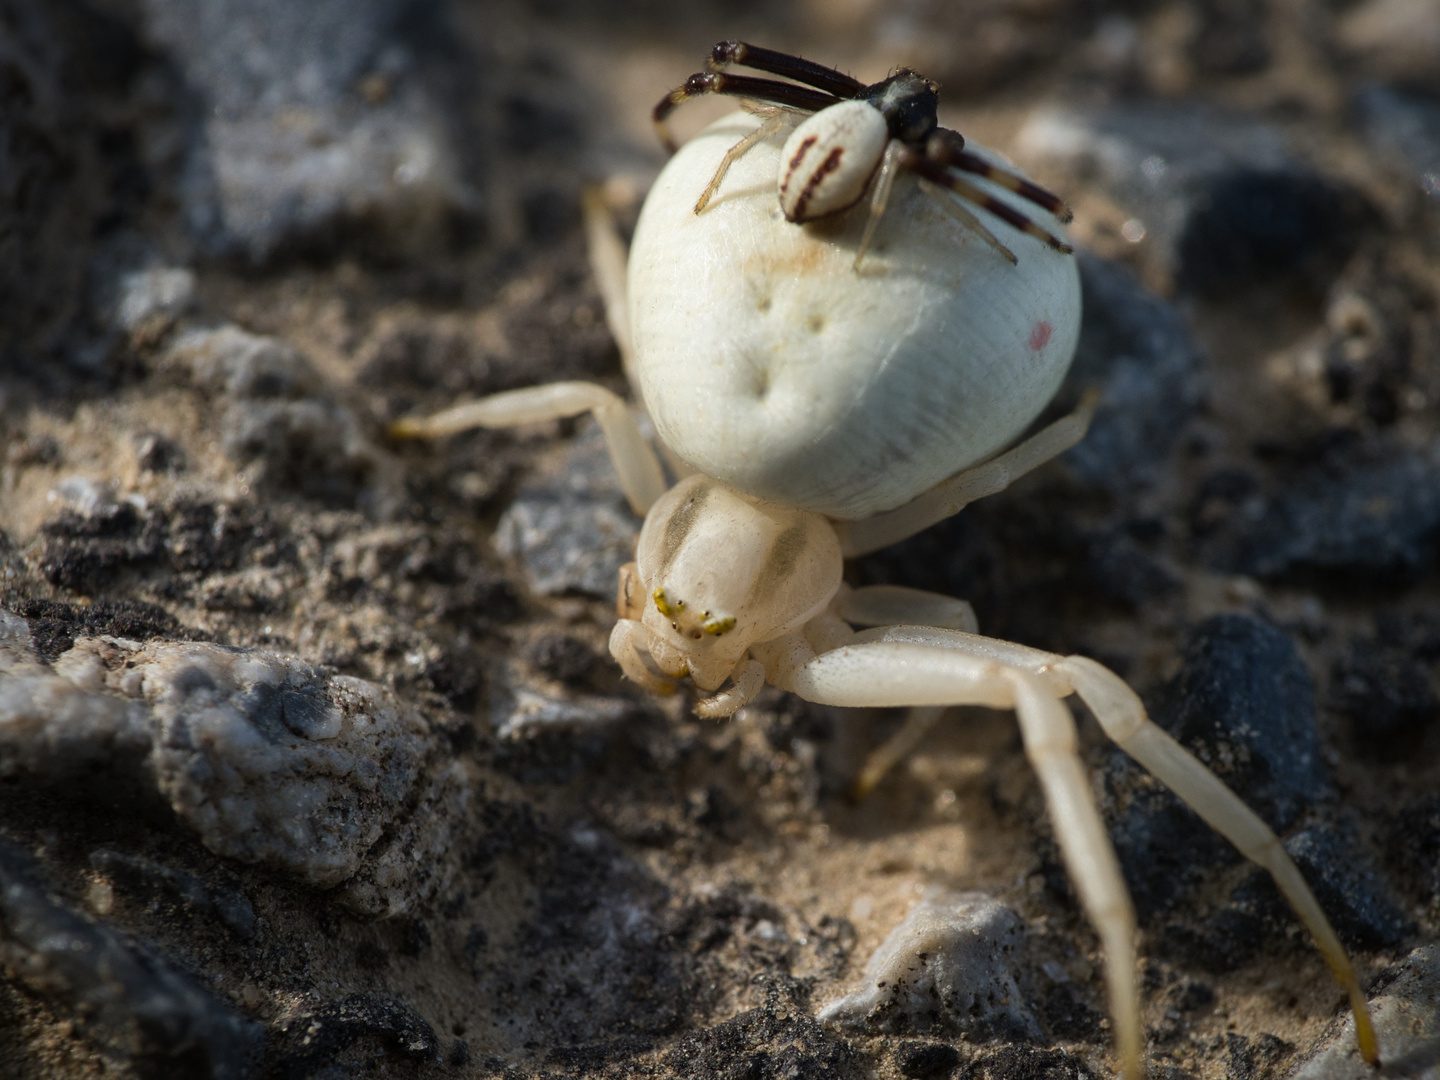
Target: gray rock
[
  {"x": 571, "y": 527},
  {"x": 1220, "y": 200},
  {"x": 1407, "y": 1023},
  {"x": 1404, "y": 128},
  {"x": 165, "y": 292},
  {"x": 268, "y": 759},
  {"x": 1151, "y": 373},
  {"x": 124, "y": 995},
  {"x": 313, "y": 115},
  {"x": 281, "y": 422},
  {"x": 518, "y": 705},
  {"x": 946, "y": 969}
]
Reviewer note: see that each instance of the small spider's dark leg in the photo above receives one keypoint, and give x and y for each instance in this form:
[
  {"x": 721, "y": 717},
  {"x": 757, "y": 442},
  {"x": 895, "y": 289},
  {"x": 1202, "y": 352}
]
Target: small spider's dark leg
[
  {"x": 937, "y": 173},
  {"x": 773, "y": 117},
  {"x": 880, "y": 197},
  {"x": 953, "y": 207},
  {"x": 786, "y": 66},
  {"x": 716, "y": 82},
  {"x": 947, "y": 152}
]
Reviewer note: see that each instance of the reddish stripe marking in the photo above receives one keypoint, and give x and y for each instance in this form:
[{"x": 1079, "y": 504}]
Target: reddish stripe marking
[
  {"x": 800, "y": 152},
  {"x": 829, "y": 165},
  {"x": 1040, "y": 336}
]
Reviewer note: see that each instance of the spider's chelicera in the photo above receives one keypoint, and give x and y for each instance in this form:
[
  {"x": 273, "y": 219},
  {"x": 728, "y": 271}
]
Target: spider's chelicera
[{"x": 856, "y": 134}]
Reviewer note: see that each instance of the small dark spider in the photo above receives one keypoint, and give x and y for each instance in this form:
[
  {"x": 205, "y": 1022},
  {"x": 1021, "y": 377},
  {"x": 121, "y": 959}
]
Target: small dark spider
[{"x": 856, "y": 132}]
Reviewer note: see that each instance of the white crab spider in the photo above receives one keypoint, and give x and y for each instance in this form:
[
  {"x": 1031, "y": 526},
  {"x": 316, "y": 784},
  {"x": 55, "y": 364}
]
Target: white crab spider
[{"x": 737, "y": 582}]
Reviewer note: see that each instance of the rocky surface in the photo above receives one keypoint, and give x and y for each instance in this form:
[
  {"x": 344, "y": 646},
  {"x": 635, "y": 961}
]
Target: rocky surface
[
  {"x": 313, "y": 762},
  {"x": 947, "y": 969}
]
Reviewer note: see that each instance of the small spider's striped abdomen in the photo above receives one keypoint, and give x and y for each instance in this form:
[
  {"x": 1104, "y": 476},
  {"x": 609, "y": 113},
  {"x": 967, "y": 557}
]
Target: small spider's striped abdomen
[{"x": 829, "y": 159}]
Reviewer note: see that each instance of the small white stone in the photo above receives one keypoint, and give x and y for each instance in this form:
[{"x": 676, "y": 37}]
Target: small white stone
[
  {"x": 167, "y": 291},
  {"x": 946, "y": 968}
]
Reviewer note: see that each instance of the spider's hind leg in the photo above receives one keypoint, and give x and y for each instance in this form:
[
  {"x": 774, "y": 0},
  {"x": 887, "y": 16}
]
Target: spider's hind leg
[
  {"x": 940, "y": 172},
  {"x": 967, "y": 219}
]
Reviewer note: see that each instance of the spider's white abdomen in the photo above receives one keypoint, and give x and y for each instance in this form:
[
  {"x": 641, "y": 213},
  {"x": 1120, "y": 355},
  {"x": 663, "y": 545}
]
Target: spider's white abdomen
[
  {"x": 768, "y": 363},
  {"x": 829, "y": 158}
]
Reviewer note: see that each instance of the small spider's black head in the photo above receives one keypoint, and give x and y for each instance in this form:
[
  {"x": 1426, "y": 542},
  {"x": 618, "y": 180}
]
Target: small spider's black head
[{"x": 908, "y": 102}]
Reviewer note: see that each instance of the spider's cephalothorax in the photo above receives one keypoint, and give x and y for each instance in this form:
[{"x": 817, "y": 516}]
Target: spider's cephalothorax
[
  {"x": 857, "y": 134},
  {"x": 908, "y": 101}
]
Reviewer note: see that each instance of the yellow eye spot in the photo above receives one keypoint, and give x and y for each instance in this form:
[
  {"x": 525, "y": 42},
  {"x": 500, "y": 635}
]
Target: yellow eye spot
[
  {"x": 716, "y": 627},
  {"x": 663, "y": 605}
]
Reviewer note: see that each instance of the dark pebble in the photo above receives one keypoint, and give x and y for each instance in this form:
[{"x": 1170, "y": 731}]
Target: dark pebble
[
  {"x": 1250, "y": 226},
  {"x": 1354, "y": 896},
  {"x": 1254, "y": 1059},
  {"x": 926, "y": 1060},
  {"x": 1385, "y": 695},
  {"x": 1376, "y": 524},
  {"x": 1244, "y": 704},
  {"x": 1151, "y": 372},
  {"x": 1030, "y": 1063},
  {"x": 563, "y": 657},
  {"x": 763, "y": 1044}
]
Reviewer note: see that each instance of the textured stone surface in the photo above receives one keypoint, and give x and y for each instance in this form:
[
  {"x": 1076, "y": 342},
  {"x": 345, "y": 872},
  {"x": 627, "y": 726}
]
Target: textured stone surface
[
  {"x": 572, "y": 530},
  {"x": 314, "y": 121},
  {"x": 279, "y": 422},
  {"x": 948, "y": 968},
  {"x": 1376, "y": 523},
  {"x": 270, "y": 760},
  {"x": 1407, "y": 1023}
]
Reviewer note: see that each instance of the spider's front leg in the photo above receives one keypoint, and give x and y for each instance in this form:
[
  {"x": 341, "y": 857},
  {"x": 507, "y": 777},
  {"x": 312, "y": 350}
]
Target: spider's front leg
[
  {"x": 879, "y": 673},
  {"x": 630, "y": 452},
  {"x": 922, "y": 674}
]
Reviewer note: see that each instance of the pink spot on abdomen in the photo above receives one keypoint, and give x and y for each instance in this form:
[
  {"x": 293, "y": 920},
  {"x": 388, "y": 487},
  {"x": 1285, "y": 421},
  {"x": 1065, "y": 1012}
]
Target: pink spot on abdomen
[{"x": 1040, "y": 336}]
